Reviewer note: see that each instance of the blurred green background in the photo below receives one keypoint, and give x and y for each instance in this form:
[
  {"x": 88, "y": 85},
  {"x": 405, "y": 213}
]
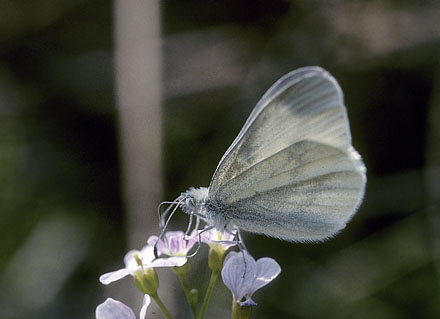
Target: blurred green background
[{"x": 63, "y": 217}]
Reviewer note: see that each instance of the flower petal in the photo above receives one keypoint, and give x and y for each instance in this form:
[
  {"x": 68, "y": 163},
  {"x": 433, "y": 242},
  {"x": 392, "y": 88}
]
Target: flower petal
[
  {"x": 129, "y": 260},
  {"x": 145, "y": 304},
  {"x": 248, "y": 302},
  {"x": 218, "y": 240},
  {"x": 113, "y": 276},
  {"x": 192, "y": 239},
  {"x": 216, "y": 235},
  {"x": 147, "y": 254},
  {"x": 175, "y": 242},
  {"x": 238, "y": 273},
  {"x": 152, "y": 240},
  {"x": 161, "y": 246},
  {"x": 168, "y": 262},
  {"x": 113, "y": 309},
  {"x": 267, "y": 270}
]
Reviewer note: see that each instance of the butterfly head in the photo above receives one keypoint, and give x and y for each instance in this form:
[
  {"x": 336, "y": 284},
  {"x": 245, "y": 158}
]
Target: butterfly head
[{"x": 193, "y": 201}]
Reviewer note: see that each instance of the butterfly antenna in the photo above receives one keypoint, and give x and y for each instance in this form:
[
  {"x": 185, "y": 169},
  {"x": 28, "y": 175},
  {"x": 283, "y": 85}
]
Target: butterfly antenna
[
  {"x": 189, "y": 225},
  {"x": 162, "y": 216},
  {"x": 160, "y": 205},
  {"x": 176, "y": 205}
]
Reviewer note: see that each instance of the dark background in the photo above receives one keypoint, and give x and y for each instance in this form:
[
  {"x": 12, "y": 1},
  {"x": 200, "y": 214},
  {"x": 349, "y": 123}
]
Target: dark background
[{"x": 62, "y": 217}]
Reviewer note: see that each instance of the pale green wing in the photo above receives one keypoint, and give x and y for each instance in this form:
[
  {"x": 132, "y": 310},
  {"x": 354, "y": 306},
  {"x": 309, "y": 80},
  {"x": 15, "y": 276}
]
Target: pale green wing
[
  {"x": 306, "y": 192},
  {"x": 292, "y": 172},
  {"x": 306, "y": 104}
]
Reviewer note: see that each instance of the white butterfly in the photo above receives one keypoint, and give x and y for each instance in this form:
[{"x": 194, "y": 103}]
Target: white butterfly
[{"x": 292, "y": 172}]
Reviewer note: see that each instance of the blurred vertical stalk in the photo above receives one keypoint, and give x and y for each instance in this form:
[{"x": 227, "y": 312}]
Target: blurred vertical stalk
[
  {"x": 138, "y": 87},
  {"x": 139, "y": 93}
]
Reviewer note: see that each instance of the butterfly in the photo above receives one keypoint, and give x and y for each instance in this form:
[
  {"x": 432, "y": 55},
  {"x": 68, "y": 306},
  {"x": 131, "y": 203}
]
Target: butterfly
[{"x": 292, "y": 172}]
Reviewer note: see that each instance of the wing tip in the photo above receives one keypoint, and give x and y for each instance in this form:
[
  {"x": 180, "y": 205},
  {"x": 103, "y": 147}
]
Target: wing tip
[{"x": 310, "y": 71}]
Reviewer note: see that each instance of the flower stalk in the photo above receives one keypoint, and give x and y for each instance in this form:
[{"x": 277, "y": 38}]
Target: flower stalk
[
  {"x": 212, "y": 280},
  {"x": 191, "y": 295},
  {"x": 240, "y": 312},
  {"x": 161, "y": 306},
  {"x": 216, "y": 257}
]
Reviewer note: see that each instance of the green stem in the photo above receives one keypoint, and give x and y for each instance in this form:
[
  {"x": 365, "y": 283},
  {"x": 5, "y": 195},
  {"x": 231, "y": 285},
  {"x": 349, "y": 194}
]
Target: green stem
[
  {"x": 240, "y": 312},
  {"x": 211, "y": 285},
  {"x": 184, "y": 281},
  {"x": 161, "y": 305}
]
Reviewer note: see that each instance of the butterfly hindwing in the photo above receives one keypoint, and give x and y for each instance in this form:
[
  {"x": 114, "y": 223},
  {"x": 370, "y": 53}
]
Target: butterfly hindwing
[
  {"x": 292, "y": 172},
  {"x": 306, "y": 192}
]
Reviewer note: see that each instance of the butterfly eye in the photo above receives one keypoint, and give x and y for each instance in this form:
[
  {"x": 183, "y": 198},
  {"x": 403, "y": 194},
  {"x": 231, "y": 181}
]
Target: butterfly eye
[{"x": 190, "y": 203}]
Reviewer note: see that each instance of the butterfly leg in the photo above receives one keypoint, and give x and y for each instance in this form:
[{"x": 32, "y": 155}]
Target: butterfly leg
[
  {"x": 165, "y": 225},
  {"x": 243, "y": 248},
  {"x": 240, "y": 243},
  {"x": 199, "y": 241}
]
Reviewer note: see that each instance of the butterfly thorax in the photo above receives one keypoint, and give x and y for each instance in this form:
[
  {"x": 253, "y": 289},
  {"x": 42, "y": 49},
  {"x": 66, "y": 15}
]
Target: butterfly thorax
[{"x": 196, "y": 201}]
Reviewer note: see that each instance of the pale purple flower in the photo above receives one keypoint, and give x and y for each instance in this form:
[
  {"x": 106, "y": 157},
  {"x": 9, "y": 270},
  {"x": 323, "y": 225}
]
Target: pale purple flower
[
  {"x": 218, "y": 240},
  {"x": 136, "y": 260},
  {"x": 243, "y": 275},
  {"x": 174, "y": 243},
  {"x": 113, "y": 309}
]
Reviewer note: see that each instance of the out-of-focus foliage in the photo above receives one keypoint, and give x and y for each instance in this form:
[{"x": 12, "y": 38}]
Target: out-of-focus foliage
[
  {"x": 61, "y": 216},
  {"x": 60, "y": 208}
]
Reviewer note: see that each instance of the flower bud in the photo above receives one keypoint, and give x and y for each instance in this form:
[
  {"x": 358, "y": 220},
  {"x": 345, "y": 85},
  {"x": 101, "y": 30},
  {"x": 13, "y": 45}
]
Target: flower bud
[
  {"x": 215, "y": 259},
  {"x": 194, "y": 296},
  {"x": 146, "y": 280},
  {"x": 182, "y": 270}
]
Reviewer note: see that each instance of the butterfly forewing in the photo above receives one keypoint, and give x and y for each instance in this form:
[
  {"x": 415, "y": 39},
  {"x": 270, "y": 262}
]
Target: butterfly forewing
[
  {"x": 307, "y": 191},
  {"x": 306, "y": 104},
  {"x": 292, "y": 172}
]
